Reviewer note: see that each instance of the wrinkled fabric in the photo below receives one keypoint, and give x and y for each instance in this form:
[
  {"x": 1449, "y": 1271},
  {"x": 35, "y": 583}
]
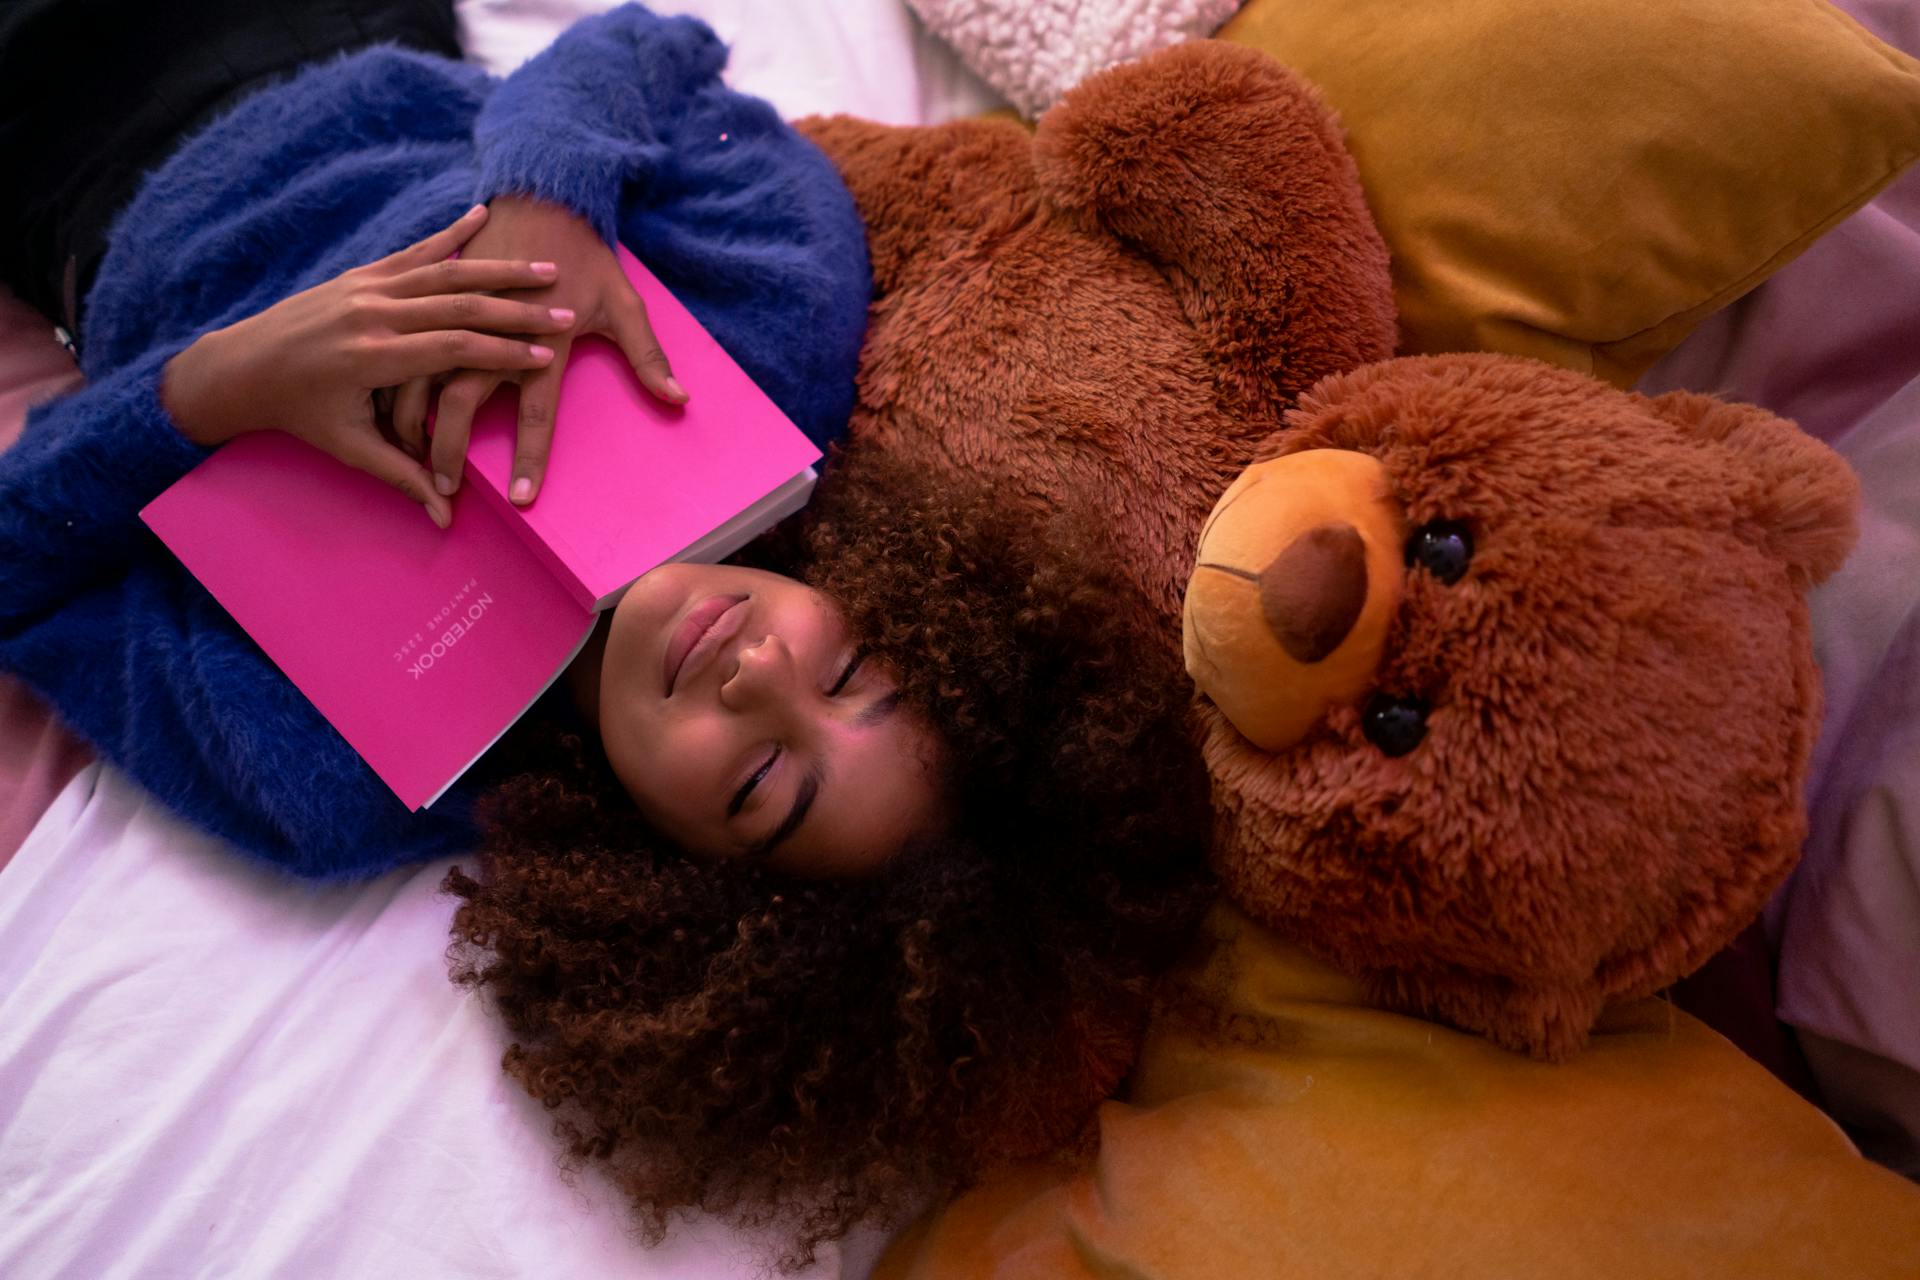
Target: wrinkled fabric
[
  {"x": 211, "y": 1070},
  {"x": 1849, "y": 923}
]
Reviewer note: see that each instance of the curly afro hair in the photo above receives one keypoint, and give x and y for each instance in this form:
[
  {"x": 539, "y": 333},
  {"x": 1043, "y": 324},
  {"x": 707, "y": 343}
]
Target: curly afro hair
[{"x": 811, "y": 1053}]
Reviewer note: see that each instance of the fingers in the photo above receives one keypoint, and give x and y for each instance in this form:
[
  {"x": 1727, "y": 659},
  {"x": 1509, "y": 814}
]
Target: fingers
[
  {"x": 478, "y": 312},
  {"x": 634, "y": 332},
  {"x": 533, "y": 440},
  {"x": 409, "y": 416},
  {"x": 470, "y": 275},
  {"x": 381, "y": 460},
  {"x": 460, "y": 399},
  {"x": 443, "y": 243},
  {"x": 406, "y": 356}
]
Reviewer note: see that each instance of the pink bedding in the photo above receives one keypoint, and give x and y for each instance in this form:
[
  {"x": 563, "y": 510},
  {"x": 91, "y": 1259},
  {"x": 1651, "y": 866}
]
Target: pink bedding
[
  {"x": 1848, "y": 926},
  {"x": 1833, "y": 341},
  {"x": 37, "y": 755}
]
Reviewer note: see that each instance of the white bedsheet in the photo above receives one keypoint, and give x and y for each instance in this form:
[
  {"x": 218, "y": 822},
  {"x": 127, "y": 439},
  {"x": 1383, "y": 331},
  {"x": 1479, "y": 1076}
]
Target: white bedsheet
[
  {"x": 207, "y": 1070},
  {"x": 868, "y": 58}
]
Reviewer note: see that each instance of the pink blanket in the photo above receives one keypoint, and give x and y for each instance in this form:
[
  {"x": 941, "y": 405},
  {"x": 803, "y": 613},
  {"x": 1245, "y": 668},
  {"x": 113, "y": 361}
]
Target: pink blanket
[
  {"x": 37, "y": 755},
  {"x": 1831, "y": 341}
]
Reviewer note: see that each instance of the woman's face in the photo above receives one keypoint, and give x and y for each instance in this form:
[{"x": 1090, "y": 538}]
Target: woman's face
[{"x": 737, "y": 712}]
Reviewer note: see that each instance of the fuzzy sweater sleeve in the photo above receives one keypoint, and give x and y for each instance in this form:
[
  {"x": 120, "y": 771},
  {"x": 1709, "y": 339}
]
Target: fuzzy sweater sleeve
[
  {"x": 626, "y": 121},
  {"x": 591, "y": 118},
  {"x": 147, "y": 667}
]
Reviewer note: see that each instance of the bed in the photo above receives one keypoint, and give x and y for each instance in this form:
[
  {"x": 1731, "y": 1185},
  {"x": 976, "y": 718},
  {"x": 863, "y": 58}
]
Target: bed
[{"x": 207, "y": 1070}]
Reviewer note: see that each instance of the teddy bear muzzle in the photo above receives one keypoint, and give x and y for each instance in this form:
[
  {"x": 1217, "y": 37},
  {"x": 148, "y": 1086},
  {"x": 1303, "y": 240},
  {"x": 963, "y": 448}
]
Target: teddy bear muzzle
[{"x": 1297, "y": 576}]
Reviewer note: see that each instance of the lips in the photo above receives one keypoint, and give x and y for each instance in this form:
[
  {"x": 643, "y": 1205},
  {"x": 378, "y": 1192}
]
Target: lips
[{"x": 706, "y": 627}]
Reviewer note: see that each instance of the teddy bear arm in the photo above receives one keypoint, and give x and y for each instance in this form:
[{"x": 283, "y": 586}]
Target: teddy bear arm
[
  {"x": 1222, "y": 166},
  {"x": 918, "y": 189}
]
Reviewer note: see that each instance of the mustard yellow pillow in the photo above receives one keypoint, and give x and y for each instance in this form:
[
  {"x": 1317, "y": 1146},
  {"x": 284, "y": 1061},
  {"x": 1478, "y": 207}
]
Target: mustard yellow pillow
[
  {"x": 1322, "y": 1137},
  {"x": 1583, "y": 181}
]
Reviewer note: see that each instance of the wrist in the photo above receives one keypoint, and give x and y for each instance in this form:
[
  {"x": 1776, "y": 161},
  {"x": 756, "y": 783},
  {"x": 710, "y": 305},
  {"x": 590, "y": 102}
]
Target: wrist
[
  {"x": 188, "y": 392},
  {"x": 534, "y": 221}
]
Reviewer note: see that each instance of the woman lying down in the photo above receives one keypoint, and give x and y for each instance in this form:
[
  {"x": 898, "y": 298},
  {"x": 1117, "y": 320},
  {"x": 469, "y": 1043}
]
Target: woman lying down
[{"x": 818, "y": 886}]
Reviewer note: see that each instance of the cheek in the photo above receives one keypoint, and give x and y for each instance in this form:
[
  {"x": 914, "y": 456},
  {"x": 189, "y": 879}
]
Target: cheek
[{"x": 671, "y": 767}]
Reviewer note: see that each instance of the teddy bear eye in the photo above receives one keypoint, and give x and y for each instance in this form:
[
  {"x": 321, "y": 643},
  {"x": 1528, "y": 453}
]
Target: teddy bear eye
[
  {"x": 1442, "y": 548},
  {"x": 1394, "y": 724}
]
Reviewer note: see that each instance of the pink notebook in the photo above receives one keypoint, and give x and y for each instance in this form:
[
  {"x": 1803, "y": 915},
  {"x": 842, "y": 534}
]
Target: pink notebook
[{"x": 423, "y": 647}]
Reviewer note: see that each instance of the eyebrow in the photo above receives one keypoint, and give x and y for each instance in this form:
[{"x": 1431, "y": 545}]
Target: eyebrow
[
  {"x": 809, "y": 791},
  {"x": 877, "y": 710}
]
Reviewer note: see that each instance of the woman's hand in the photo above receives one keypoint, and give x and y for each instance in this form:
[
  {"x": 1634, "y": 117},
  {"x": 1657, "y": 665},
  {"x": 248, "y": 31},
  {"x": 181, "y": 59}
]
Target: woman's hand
[
  {"x": 310, "y": 365},
  {"x": 600, "y": 299}
]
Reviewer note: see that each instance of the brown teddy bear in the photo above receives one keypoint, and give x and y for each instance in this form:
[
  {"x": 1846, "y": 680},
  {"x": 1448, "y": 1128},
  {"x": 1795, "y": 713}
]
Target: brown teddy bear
[{"x": 1510, "y": 694}]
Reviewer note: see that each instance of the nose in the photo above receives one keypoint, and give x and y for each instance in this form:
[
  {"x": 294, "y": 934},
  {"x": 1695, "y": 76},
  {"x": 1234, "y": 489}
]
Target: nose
[
  {"x": 1298, "y": 579},
  {"x": 1312, "y": 592},
  {"x": 763, "y": 673}
]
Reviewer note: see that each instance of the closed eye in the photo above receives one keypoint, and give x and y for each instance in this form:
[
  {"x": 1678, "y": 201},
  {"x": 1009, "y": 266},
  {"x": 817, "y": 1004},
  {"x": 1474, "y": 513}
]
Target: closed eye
[
  {"x": 846, "y": 674},
  {"x": 746, "y": 788}
]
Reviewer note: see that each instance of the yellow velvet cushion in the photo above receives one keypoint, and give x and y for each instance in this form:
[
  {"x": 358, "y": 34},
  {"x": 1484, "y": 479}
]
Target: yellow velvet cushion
[
  {"x": 1583, "y": 181},
  {"x": 1316, "y": 1137}
]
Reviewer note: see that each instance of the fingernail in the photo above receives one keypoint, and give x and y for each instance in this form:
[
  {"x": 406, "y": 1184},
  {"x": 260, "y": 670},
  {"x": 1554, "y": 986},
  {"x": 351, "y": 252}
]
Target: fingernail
[
  {"x": 522, "y": 491},
  {"x": 475, "y": 212},
  {"x": 439, "y": 517},
  {"x": 545, "y": 269},
  {"x": 561, "y": 315},
  {"x": 539, "y": 352},
  {"x": 675, "y": 390},
  {"x": 445, "y": 484}
]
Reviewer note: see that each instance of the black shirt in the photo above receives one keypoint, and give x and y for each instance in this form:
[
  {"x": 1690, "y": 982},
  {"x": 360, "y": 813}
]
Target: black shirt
[{"x": 95, "y": 93}]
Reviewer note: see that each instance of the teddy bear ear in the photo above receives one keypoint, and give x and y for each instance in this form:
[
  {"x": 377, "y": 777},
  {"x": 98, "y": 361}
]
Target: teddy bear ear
[{"x": 1804, "y": 503}]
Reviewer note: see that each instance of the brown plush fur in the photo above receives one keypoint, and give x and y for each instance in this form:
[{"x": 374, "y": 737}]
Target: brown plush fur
[
  {"x": 1113, "y": 312},
  {"x": 1622, "y": 692}
]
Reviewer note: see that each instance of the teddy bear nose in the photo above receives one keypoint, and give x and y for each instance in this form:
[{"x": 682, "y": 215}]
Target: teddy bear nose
[
  {"x": 1312, "y": 592},
  {"x": 1297, "y": 582}
]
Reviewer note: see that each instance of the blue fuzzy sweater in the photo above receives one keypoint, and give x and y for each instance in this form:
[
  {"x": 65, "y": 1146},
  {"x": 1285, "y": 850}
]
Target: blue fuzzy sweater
[{"x": 625, "y": 121}]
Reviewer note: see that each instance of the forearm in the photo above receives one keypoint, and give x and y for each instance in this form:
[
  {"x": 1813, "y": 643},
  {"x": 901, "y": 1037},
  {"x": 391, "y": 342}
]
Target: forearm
[
  {"x": 593, "y": 115},
  {"x": 139, "y": 660},
  {"x": 744, "y": 221},
  {"x": 72, "y": 487}
]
